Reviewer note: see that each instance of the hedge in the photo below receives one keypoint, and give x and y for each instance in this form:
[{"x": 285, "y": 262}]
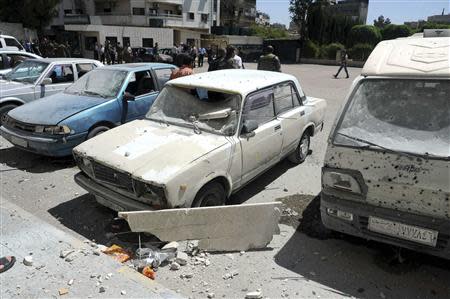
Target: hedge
[
  {"x": 392, "y": 31},
  {"x": 364, "y": 34},
  {"x": 360, "y": 51},
  {"x": 329, "y": 51},
  {"x": 311, "y": 50}
]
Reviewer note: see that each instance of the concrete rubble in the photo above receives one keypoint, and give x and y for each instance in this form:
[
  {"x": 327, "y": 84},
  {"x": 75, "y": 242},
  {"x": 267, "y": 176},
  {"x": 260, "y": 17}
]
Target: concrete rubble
[{"x": 223, "y": 228}]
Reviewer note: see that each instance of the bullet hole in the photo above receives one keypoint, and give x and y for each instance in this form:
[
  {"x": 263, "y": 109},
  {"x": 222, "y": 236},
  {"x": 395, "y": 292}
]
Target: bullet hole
[
  {"x": 403, "y": 195},
  {"x": 389, "y": 180},
  {"x": 378, "y": 185},
  {"x": 392, "y": 188},
  {"x": 369, "y": 181},
  {"x": 415, "y": 178}
]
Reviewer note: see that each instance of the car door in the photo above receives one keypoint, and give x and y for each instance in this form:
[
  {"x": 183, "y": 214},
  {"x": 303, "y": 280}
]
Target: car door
[
  {"x": 62, "y": 76},
  {"x": 263, "y": 149},
  {"x": 143, "y": 87},
  {"x": 162, "y": 76},
  {"x": 291, "y": 113}
]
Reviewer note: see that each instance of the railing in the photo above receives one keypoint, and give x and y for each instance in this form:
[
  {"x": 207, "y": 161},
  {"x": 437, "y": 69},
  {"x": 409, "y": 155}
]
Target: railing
[
  {"x": 165, "y": 15},
  {"x": 77, "y": 19}
]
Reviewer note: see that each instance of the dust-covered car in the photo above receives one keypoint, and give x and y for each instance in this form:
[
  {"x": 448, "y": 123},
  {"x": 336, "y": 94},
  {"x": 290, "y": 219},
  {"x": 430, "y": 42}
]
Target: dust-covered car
[
  {"x": 206, "y": 136},
  {"x": 387, "y": 172},
  {"x": 9, "y": 59}
]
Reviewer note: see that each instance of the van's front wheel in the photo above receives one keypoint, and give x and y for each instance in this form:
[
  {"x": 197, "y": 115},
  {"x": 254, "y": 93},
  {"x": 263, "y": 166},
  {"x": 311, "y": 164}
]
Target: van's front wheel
[
  {"x": 212, "y": 194},
  {"x": 302, "y": 150}
]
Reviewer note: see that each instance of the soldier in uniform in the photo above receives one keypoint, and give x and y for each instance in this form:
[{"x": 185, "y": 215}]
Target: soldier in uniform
[{"x": 269, "y": 61}]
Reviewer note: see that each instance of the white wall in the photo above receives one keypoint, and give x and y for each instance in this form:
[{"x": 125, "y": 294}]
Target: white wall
[{"x": 18, "y": 31}]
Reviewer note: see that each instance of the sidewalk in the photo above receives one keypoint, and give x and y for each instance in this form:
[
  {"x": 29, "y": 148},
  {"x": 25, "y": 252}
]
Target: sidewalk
[{"x": 23, "y": 234}]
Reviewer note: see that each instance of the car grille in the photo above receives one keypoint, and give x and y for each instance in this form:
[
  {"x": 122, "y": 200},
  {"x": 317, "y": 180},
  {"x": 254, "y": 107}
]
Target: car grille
[
  {"x": 114, "y": 177},
  {"x": 14, "y": 124},
  {"x": 442, "y": 241}
]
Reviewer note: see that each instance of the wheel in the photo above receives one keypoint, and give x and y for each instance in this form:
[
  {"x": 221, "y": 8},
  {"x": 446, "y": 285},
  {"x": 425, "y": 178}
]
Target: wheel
[
  {"x": 97, "y": 131},
  {"x": 4, "y": 110},
  {"x": 302, "y": 150},
  {"x": 311, "y": 222},
  {"x": 212, "y": 194}
]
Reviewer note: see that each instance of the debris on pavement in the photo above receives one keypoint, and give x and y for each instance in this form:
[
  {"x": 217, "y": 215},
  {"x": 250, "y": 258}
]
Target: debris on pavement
[
  {"x": 171, "y": 245},
  {"x": 28, "y": 260},
  {"x": 118, "y": 253},
  {"x": 148, "y": 272},
  {"x": 63, "y": 291},
  {"x": 70, "y": 282},
  {"x": 153, "y": 256},
  {"x": 254, "y": 295},
  {"x": 65, "y": 253},
  {"x": 175, "y": 266},
  {"x": 220, "y": 228}
]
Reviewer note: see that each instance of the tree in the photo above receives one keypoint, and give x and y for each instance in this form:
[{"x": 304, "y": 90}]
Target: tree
[
  {"x": 364, "y": 34},
  {"x": 392, "y": 31},
  {"x": 268, "y": 32},
  {"x": 381, "y": 22},
  {"x": 299, "y": 13},
  {"x": 34, "y": 14}
]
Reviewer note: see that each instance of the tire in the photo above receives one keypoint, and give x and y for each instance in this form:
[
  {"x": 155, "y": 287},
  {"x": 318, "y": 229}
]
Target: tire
[
  {"x": 311, "y": 222},
  {"x": 97, "y": 131},
  {"x": 4, "y": 109},
  {"x": 212, "y": 194},
  {"x": 302, "y": 150}
]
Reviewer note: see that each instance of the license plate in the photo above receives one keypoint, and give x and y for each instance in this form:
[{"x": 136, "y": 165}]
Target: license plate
[
  {"x": 403, "y": 231},
  {"x": 19, "y": 141}
]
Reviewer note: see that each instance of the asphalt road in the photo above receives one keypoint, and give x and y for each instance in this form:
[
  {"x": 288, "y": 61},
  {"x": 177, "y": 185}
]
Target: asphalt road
[{"x": 294, "y": 264}]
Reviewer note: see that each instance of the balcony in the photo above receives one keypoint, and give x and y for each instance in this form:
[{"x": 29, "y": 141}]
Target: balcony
[
  {"x": 176, "y": 2},
  {"x": 76, "y": 19},
  {"x": 119, "y": 20}
]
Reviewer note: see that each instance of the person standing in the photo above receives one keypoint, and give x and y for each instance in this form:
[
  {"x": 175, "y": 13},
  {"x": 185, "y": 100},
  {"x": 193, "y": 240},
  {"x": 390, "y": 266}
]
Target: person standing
[
  {"x": 184, "y": 67},
  {"x": 224, "y": 60},
  {"x": 269, "y": 61},
  {"x": 344, "y": 60},
  {"x": 96, "y": 51},
  {"x": 102, "y": 54},
  {"x": 194, "y": 53},
  {"x": 127, "y": 53},
  {"x": 156, "y": 49},
  {"x": 119, "y": 50},
  {"x": 237, "y": 59},
  {"x": 201, "y": 56}
]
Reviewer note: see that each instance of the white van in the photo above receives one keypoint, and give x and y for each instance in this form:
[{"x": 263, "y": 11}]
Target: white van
[
  {"x": 10, "y": 43},
  {"x": 386, "y": 175}
]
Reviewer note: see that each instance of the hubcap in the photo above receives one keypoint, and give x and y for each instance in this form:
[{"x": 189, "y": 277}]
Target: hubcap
[{"x": 304, "y": 147}]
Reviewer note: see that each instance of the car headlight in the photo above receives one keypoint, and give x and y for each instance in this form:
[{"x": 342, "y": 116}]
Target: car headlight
[
  {"x": 340, "y": 181},
  {"x": 54, "y": 130},
  {"x": 84, "y": 164},
  {"x": 154, "y": 195}
]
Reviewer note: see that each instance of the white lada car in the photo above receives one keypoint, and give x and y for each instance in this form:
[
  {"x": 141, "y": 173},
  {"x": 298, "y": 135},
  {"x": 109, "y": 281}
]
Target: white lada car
[{"x": 205, "y": 137}]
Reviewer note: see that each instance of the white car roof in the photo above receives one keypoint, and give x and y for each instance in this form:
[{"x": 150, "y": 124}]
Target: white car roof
[
  {"x": 6, "y": 36},
  {"x": 234, "y": 80},
  {"x": 410, "y": 57},
  {"x": 19, "y": 53}
]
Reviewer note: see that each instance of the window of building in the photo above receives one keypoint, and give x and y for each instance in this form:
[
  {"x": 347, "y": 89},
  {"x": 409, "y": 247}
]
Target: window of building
[
  {"x": 138, "y": 11},
  {"x": 126, "y": 41},
  {"x": 205, "y": 17},
  {"x": 107, "y": 10},
  {"x": 158, "y": 23},
  {"x": 147, "y": 42},
  {"x": 67, "y": 12},
  {"x": 215, "y": 5},
  {"x": 168, "y": 12},
  {"x": 153, "y": 12},
  {"x": 191, "y": 16},
  {"x": 89, "y": 43}
]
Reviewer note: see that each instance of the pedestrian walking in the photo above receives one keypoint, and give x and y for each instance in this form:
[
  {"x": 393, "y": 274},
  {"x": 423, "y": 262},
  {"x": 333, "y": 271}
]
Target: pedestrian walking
[
  {"x": 269, "y": 61},
  {"x": 185, "y": 67},
  {"x": 201, "y": 56},
  {"x": 344, "y": 60}
]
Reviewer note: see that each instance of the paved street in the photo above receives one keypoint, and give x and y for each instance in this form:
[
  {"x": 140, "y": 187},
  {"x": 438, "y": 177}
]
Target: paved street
[{"x": 293, "y": 265}]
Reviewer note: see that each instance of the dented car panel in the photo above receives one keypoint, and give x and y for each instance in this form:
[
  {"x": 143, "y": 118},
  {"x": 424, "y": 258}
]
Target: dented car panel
[
  {"x": 386, "y": 174},
  {"x": 182, "y": 156}
]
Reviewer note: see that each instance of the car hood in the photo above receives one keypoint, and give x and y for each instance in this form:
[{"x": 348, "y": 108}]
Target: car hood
[
  {"x": 53, "y": 109},
  {"x": 8, "y": 88},
  {"x": 150, "y": 151}
]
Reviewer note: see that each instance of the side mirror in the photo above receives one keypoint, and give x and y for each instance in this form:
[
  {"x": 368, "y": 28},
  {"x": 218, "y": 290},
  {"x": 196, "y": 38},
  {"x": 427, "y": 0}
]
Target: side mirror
[
  {"x": 128, "y": 96},
  {"x": 47, "y": 81},
  {"x": 249, "y": 127}
]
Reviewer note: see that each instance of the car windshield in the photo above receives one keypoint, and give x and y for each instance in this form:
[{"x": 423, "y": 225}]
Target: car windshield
[
  {"x": 100, "y": 82},
  {"x": 408, "y": 116},
  {"x": 28, "y": 71},
  {"x": 199, "y": 108}
]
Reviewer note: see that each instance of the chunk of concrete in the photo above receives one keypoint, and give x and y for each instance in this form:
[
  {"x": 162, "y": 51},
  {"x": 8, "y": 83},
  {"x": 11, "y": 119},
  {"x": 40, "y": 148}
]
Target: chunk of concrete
[{"x": 222, "y": 228}]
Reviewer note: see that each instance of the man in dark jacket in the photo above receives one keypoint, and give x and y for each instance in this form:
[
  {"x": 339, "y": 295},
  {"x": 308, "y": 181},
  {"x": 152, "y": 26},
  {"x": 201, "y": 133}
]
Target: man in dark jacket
[
  {"x": 344, "y": 59},
  {"x": 224, "y": 60},
  {"x": 269, "y": 61}
]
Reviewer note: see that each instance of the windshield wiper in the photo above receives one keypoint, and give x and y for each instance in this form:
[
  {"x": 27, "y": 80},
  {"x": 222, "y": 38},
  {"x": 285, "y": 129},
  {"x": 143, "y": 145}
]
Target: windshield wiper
[
  {"x": 194, "y": 123},
  {"x": 94, "y": 93}
]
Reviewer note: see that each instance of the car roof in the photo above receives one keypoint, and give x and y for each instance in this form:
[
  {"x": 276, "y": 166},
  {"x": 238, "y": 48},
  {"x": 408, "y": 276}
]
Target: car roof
[
  {"x": 19, "y": 53},
  {"x": 233, "y": 80},
  {"x": 137, "y": 66},
  {"x": 67, "y": 59},
  {"x": 410, "y": 57},
  {"x": 6, "y": 36}
]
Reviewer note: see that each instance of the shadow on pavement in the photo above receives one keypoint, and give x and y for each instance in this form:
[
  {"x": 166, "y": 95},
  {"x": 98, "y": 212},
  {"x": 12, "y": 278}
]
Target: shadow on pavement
[
  {"x": 260, "y": 183},
  {"x": 23, "y": 160},
  {"x": 361, "y": 268}
]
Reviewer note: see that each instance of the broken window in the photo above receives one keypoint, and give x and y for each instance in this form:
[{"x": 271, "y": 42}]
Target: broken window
[{"x": 100, "y": 83}]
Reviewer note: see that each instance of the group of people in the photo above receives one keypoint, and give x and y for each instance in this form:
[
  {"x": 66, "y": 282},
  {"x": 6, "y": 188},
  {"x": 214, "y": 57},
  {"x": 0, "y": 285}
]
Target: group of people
[
  {"x": 48, "y": 48},
  {"x": 110, "y": 53}
]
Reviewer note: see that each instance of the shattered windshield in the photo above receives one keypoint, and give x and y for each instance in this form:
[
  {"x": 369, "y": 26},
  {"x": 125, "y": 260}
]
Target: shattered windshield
[
  {"x": 202, "y": 109},
  {"x": 100, "y": 83},
  {"x": 408, "y": 116},
  {"x": 28, "y": 71}
]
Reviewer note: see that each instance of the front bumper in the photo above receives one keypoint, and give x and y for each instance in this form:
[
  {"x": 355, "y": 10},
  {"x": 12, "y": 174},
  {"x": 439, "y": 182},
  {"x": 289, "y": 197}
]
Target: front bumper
[
  {"x": 359, "y": 225},
  {"x": 47, "y": 146},
  {"x": 109, "y": 198}
]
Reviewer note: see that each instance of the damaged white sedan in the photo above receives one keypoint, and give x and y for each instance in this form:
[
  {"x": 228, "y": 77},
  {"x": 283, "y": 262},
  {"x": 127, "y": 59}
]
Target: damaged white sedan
[{"x": 205, "y": 137}]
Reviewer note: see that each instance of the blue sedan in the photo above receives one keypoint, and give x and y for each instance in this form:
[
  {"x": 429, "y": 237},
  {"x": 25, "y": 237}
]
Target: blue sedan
[{"x": 102, "y": 99}]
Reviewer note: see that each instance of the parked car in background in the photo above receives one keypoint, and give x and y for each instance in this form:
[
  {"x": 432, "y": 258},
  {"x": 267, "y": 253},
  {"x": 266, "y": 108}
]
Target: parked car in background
[
  {"x": 386, "y": 174},
  {"x": 148, "y": 55},
  {"x": 10, "y": 43},
  {"x": 36, "y": 78},
  {"x": 9, "y": 59},
  {"x": 102, "y": 99},
  {"x": 206, "y": 136}
]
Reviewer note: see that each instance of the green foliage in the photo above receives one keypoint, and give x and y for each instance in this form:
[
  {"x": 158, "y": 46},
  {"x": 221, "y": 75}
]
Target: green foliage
[
  {"x": 395, "y": 31},
  {"x": 429, "y": 25},
  {"x": 364, "y": 34},
  {"x": 34, "y": 14},
  {"x": 381, "y": 22},
  {"x": 268, "y": 32},
  {"x": 311, "y": 50},
  {"x": 299, "y": 12},
  {"x": 329, "y": 51},
  {"x": 360, "y": 51}
]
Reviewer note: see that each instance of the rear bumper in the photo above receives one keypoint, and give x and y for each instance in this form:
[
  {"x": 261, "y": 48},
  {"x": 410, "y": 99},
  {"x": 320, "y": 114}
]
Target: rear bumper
[
  {"x": 109, "y": 198},
  {"x": 359, "y": 225},
  {"x": 47, "y": 146}
]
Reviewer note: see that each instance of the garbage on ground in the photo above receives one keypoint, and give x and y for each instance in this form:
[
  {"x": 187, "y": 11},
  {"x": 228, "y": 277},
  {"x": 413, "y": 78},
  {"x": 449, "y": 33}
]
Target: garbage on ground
[
  {"x": 118, "y": 253},
  {"x": 63, "y": 291},
  {"x": 28, "y": 260},
  {"x": 148, "y": 271},
  {"x": 153, "y": 256}
]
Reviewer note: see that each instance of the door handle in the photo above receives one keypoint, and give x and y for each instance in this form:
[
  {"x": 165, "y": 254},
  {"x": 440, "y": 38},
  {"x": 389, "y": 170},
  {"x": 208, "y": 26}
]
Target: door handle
[
  {"x": 277, "y": 128},
  {"x": 302, "y": 113}
]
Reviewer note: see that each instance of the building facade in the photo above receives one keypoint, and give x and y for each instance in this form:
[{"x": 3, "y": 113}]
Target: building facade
[
  {"x": 262, "y": 19},
  {"x": 237, "y": 14},
  {"x": 443, "y": 19},
  {"x": 355, "y": 9},
  {"x": 139, "y": 23}
]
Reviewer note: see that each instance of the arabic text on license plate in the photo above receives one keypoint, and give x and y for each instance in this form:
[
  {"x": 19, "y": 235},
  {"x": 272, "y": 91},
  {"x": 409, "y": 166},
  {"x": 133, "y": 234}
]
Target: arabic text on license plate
[
  {"x": 403, "y": 231},
  {"x": 19, "y": 141}
]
